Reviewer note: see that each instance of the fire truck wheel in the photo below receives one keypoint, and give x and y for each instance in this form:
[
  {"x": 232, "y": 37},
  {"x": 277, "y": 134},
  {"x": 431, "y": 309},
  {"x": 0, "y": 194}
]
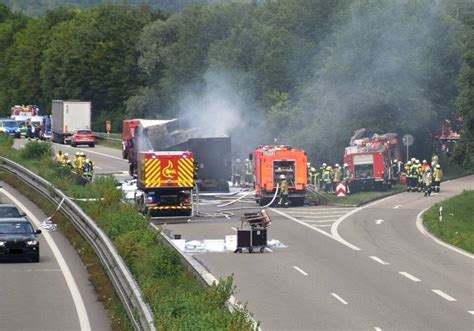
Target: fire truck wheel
[{"x": 250, "y": 250}]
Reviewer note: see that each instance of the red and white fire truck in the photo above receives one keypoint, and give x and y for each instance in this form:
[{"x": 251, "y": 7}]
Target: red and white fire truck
[{"x": 370, "y": 159}]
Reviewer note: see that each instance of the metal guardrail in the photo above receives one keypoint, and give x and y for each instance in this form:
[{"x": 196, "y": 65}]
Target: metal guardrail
[
  {"x": 137, "y": 310},
  {"x": 105, "y": 136}
]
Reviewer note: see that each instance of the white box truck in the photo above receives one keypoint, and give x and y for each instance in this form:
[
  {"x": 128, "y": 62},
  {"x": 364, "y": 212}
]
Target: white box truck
[{"x": 67, "y": 116}]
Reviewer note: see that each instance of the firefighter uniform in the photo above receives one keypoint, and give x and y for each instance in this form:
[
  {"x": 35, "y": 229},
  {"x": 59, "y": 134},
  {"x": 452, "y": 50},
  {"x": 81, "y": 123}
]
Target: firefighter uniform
[
  {"x": 337, "y": 177},
  {"x": 413, "y": 178},
  {"x": 420, "y": 176},
  {"x": 427, "y": 179},
  {"x": 283, "y": 192},
  {"x": 313, "y": 176},
  {"x": 437, "y": 177},
  {"x": 321, "y": 172},
  {"x": 327, "y": 179},
  {"x": 59, "y": 157},
  {"x": 347, "y": 177}
]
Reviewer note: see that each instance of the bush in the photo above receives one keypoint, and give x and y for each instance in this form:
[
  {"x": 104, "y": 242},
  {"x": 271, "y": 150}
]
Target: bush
[{"x": 35, "y": 150}]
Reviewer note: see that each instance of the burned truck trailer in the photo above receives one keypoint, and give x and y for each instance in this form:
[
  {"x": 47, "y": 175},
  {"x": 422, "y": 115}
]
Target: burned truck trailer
[
  {"x": 212, "y": 155},
  {"x": 213, "y": 161}
]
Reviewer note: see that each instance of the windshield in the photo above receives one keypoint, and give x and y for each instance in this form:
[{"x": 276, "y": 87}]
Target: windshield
[
  {"x": 10, "y": 123},
  {"x": 10, "y": 212},
  {"x": 15, "y": 228}
]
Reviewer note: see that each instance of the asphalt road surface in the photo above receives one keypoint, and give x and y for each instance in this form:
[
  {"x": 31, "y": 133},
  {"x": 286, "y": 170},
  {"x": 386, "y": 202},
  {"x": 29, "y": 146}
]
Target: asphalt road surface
[
  {"x": 54, "y": 294},
  {"x": 369, "y": 268}
]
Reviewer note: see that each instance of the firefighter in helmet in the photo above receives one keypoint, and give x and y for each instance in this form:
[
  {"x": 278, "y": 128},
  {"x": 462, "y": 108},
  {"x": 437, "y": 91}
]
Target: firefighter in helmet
[
  {"x": 283, "y": 192},
  {"x": 437, "y": 177},
  {"x": 347, "y": 177},
  {"x": 327, "y": 179},
  {"x": 321, "y": 173}
]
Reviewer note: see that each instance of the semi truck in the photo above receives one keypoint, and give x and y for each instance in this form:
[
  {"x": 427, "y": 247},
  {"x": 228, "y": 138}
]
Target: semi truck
[
  {"x": 370, "y": 159},
  {"x": 165, "y": 182},
  {"x": 213, "y": 161},
  {"x": 67, "y": 116},
  {"x": 269, "y": 163}
]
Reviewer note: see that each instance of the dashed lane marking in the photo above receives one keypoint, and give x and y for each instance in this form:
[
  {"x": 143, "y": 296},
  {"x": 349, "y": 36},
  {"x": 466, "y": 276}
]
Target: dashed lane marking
[
  {"x": 300, "y": 270},
  {"x": 344, "y": 302},
  {"x": 471, "y": 312},
  {"x": 409, "y": 276},
  {"x": 444, "y": 295},
  {"x": 379, "y": 260}
]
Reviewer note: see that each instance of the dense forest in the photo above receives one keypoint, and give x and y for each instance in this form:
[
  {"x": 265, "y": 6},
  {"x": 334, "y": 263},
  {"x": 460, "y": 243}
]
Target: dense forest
[{"x": 300, "y": 72}]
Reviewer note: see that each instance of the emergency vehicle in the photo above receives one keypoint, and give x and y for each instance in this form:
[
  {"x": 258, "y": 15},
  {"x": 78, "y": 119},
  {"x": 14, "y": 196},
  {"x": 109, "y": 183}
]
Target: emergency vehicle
[
  {"x": 165, "y": 182},
  {"x": 370, "y": 159},
  {"x": 269, "y": 163}
]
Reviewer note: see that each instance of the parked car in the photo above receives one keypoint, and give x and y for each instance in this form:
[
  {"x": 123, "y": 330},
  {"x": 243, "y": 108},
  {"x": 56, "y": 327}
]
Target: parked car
[
  {"x": 82, "y": 137},
  {"x": 18, "y": 239},
  {"x": 10, "y": 127},
  {"x": 10, "y": 211}
]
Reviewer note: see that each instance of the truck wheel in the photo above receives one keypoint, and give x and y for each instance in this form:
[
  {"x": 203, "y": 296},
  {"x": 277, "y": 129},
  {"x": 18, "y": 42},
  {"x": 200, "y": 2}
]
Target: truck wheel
[
  {"x": 92, "y": 145},
  {"x": 73, "y": 144},
  {"x": 250, "y": 250}
]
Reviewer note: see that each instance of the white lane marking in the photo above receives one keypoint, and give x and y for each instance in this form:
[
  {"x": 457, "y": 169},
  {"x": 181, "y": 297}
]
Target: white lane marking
[
  {"x": 324, "y": 221},
  {"x": 421, "y": 228},
  {"x": 323, "y": 225},
  {"x": 97, "y": 167},
  {"x": 71, "y": 283},
  {"x": 471, "y": 312},
  {"x": 409, "y": 276},
  {"x": 340, "y": 240},
  {"x": 300, "y": 270},
  {"x": 377, "y": 329},
  {"x": 397, "y": 206},
  {"x": 314, "y": 212},
  {"x": 378, "y": 222},
  {"x": 318, "y": 210},
  {"x": 444, "y": 295},
  {"x": 379, "y": 260},
  {"x": 334, "y": 217},
  {"x": 339, "y": 298},
  {"x": 233, "y": 228}
]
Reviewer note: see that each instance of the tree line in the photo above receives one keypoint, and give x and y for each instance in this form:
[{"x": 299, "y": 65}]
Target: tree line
[{"x": 300, "y": 72}]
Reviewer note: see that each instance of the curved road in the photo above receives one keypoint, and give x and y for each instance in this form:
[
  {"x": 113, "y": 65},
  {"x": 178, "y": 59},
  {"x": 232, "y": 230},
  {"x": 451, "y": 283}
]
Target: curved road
[
  {"x": 368, "y": 268},
  {"x": 54, "y": 294}
]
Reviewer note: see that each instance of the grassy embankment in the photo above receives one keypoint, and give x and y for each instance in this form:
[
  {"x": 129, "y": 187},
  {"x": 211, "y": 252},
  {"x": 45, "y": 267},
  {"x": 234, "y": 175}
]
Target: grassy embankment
[
  {"x": 174, "y": 294},
  {"x": 457, "y": 226}
]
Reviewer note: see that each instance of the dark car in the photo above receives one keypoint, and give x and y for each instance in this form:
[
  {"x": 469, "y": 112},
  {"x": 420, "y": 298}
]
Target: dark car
[
  {"x": 18, "y": 239},
  {"x": 83, "y": 137},
  {"x": 10, "y": 211}
]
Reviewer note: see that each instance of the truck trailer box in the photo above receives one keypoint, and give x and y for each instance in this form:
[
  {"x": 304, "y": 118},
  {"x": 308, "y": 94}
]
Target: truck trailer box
[
  {"x": 66, "y": 116},
  {"x": 164, "y": 170}
]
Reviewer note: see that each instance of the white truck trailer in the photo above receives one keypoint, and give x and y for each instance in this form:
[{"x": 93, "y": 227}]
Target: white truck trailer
[{"x": 67, "y": 116}]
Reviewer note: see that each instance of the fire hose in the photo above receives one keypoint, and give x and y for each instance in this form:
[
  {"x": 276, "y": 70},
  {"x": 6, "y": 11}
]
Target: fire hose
[{"x": 260, "y": 207}]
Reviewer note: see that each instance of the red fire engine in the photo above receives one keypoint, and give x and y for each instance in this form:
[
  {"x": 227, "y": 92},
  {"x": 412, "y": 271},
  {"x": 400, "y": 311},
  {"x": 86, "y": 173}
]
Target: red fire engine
[
  {"x": 269, "y": 163},
  {"x": 370, "y": 159}
]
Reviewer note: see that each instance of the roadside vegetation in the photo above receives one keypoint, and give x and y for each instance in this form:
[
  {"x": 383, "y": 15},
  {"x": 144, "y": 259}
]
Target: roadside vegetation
[
  {"x": 178, "y": 300},
  {"x": 457, "y": 225}
]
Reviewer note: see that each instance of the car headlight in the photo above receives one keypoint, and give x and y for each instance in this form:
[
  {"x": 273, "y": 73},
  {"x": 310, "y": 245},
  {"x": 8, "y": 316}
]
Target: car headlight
[
  {"x": 32, "y": 242},
  {"x": 2, "y": 243}
]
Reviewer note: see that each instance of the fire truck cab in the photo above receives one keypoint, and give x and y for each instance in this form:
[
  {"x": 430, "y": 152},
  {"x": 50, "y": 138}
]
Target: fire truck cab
[
  {"x": 269, "y": 163},
  {"x": 370, "y": 159},
  {"x": 165, "y": 183}
]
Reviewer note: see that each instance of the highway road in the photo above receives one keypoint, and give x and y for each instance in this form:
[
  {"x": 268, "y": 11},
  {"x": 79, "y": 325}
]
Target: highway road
[
  {"x": 54, "y": 294},
  {"x": 369, "y": 268}
]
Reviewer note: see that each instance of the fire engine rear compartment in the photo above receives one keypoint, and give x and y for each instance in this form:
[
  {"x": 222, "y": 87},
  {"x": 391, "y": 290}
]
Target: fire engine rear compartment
[{"x": 284, "y": 167}]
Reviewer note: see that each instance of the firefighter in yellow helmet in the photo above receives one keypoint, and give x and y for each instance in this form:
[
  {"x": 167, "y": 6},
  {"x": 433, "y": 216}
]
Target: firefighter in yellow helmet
[{"x": 437, "y": 177}]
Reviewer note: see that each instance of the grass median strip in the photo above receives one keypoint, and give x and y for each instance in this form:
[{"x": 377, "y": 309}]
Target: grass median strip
[{"x": 457, "y": 224}]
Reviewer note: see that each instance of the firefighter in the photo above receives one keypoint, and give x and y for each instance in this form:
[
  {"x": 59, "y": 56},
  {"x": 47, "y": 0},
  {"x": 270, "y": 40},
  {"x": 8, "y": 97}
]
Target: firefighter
[
  {"x": 434, "y": 159},
  {"x": 283, "y": 192},
  {"x": 420, "y": 176},
  {"x": 427, "y": 179},
  {"x": 88, "y": 169},
  {"x": 313, "y": 175},
  {"x": 327, "y": 179},
  {"x": 236, "y": 173},
  {"x": 248, "y": 173},
  {"x": 347, "y": 177},
  {"x": 413, "y": 177},
  {"x": 337, "y": 176},
  {"x": 437, "y": 178},
  {"x": 394, "y": 168},
  {"x": 65, "y": 162},
  {"x": 425, "y": 166},
  {"x": 59, "y": 157},
  {"x": 321, "y": 171}
]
